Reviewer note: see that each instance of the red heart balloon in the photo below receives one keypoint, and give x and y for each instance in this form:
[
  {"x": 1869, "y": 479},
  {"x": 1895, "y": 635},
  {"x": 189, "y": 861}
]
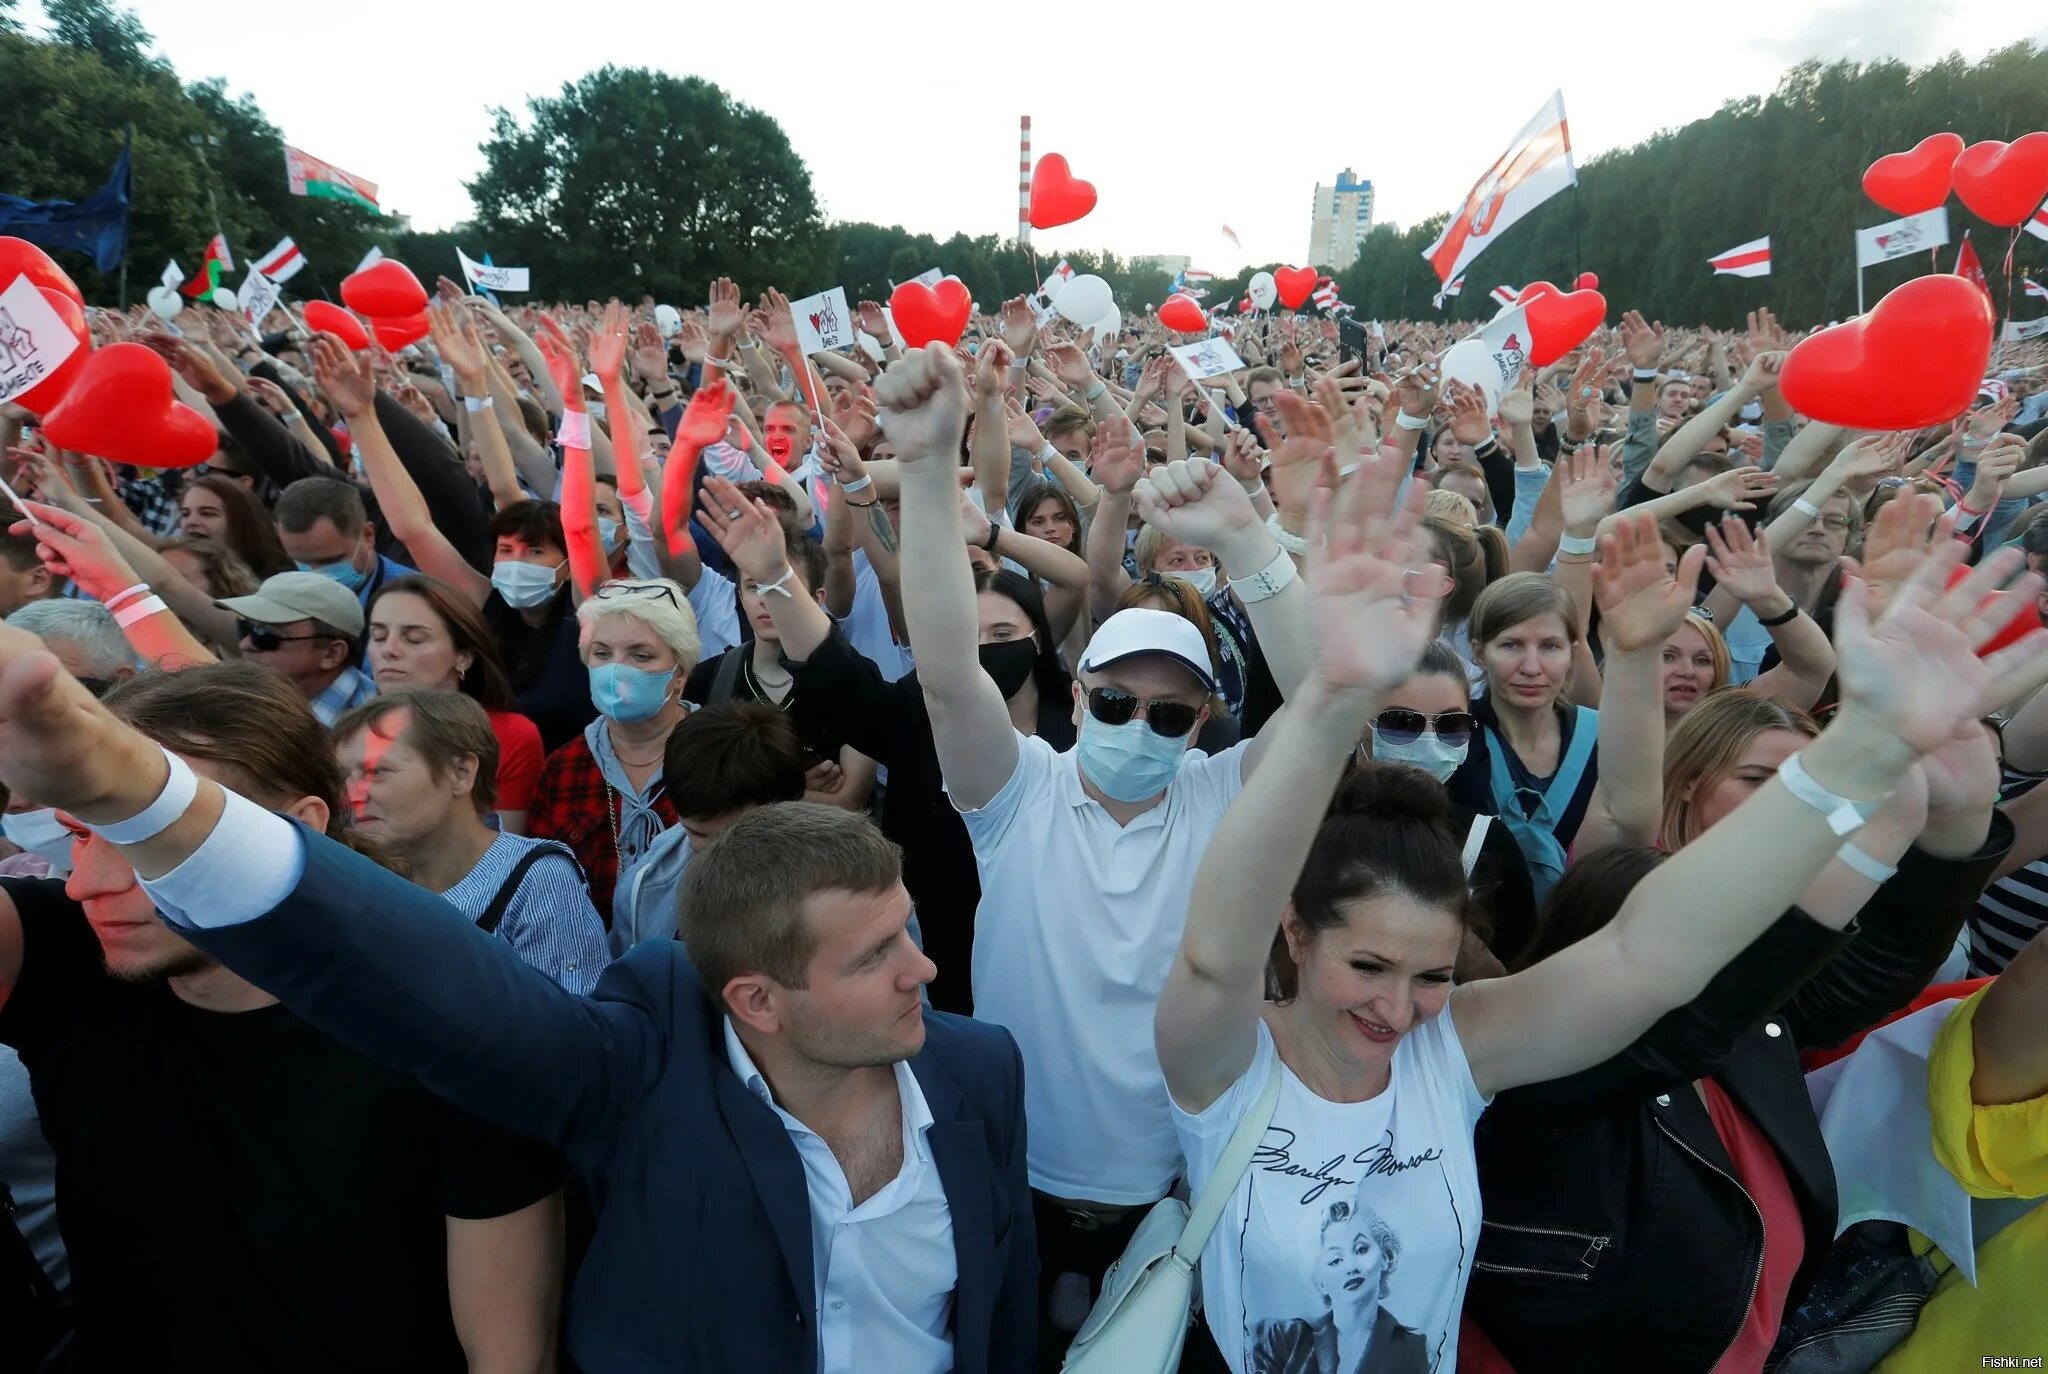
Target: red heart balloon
[
  {"x": 323, "y": 317},
  {"x": 386, "y": 289},
  {"x": 1057, "y": 195},
  {"x": 2002, "y": 183},
  {"x": 122, "y": 409},
  {"x": 1908, "y": 183},
  {"x": 931, "y": 314},
  {"x": 1559, "y": 321},
  {"x": 1916, "y": 359},
  {"x": 20, "y": 258},
  {"x": 2025, "y": 617},
  {"x": 1183, "y": 313},
  {"x": 45, "y": 395},
  {"x": 1294, "y": 285},
  {"x": 1587, "y": 282},
  {"x": 396, "y": 334}
]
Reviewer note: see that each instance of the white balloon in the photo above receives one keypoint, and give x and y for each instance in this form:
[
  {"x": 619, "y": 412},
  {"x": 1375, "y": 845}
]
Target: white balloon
[
  {"x": 224, "y": 297},
  {"x": 1110, "y": 325},
  {"x": 1470, "y": 361},
  {"x": 1084, "y": 300},
  {"x": 1263, "y": 290},
  {"x": 166, "y": 302},
  {"x": 667, "y": 320}
]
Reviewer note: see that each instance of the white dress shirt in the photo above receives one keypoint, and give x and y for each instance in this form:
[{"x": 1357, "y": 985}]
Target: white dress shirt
[{"x": 885, "y": 1270}]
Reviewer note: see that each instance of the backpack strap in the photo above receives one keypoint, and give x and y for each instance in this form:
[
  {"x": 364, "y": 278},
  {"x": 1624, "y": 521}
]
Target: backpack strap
[
  {"x": 727, "y": 679},
  {"x": 502, "y": 899},
  {"x": 1475, "y": 840}
]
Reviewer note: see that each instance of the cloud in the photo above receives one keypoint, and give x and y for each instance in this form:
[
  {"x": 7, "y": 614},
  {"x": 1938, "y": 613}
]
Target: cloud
[{"x": 1864, "y": 30}]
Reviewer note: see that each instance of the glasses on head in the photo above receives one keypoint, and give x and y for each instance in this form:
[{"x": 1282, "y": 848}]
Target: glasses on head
[
  {"x": 616, "y": 591},
  {"x": 265, "y": 639},
  {"x": 1398, "y": 726},
  {"x": 1114, "y": 706}
]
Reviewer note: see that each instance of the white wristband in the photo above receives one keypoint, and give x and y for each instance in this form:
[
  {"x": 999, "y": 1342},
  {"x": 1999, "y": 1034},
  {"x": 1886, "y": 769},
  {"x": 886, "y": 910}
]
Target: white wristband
[
  {"x": 1870, "y": 868},
  {"x": 1096, "y": 390},
  {"x": 1289, "y": 543},
  {"x": 1843, "y": 815},
  {"x": 1646, "y": 374},
  {"x": 780, "y": 586},
  {"x": 1048, "y": 453},
  {"x": 1267, "y": 581},
  {"x": 575, "y": 430},
  {"x": 473, "y": 404},
  {"x": 1576, "y": 543},
  {"x": 1407, "y": 421},
  {"x": 863, "y": 484},
  {"x": 179, "y": 790},
  {"x": 139, "y": 610},
  {"x": 1806, "y": 508}
]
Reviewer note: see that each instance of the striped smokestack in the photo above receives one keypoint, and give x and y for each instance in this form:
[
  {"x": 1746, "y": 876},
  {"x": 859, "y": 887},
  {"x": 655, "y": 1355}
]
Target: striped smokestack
[{"x": 1024, "y": 180}]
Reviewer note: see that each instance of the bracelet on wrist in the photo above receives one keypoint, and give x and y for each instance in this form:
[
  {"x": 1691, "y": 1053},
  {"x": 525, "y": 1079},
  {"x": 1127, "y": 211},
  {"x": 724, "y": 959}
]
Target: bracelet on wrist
[
  {"x": 1288, "y": 541},
  {"x": 1806, "y": 508},
  {"x": 780, "y": 586},
  {"x": 995, "y": 532},
  {"x": 1843, "y": 815},
  {"x": 1874, "y": 869},
  {"x": 1268, "y": 581},
  {"x": 1785, "y": 617},
  {"x": 1411, "y": 422},
  {"x": 1646, "y": 374},
  {"x": 179, "y": 788},
  {"x": 1578, "y": 543}
]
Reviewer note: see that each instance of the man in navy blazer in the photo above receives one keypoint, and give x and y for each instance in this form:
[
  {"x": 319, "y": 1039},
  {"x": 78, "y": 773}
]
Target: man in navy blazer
[{"x": 794, "y": 1165}]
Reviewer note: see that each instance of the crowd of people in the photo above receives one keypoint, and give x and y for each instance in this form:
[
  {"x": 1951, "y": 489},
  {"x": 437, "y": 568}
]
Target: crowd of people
[{"x": 583, "y": 845}]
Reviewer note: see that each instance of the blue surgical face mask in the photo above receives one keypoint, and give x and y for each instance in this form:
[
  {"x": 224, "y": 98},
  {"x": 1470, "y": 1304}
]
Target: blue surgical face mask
[
  {"x": 607, "y": 531},
  {"x": 1203, "y": 580},
  {"x": 1129, "y": 762},
  {"x": 1425, "y": 751},
  {"x": 628, "y": 694},
  {"x": 40, "y": 832},
  {"x": 523, "y": 585},
  {"x": 342, "y": 571}
]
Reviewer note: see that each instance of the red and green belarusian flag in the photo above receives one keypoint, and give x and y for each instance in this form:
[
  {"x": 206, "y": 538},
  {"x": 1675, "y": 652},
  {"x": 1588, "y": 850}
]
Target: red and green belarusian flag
[
  {"x": 309, "y": 176},
  {"x": 212, "y": 271}
]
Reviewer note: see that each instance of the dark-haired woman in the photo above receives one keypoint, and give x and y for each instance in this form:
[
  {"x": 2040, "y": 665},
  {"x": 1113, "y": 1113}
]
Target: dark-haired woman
[
  {"x": 223, "y": 510},
  {"x": 424, "y": 636},
  {"x": 1370, "y": 903},
  {"x": 847, "y": 696}
]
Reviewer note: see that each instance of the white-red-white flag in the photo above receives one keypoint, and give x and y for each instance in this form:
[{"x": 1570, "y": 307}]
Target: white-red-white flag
[
  {"x": 1752, "y": 259},
  {"x": 1231, "y": 234},
  {"x": 1536, "y": 166},
  {"x": 1450, "y": 288},
  {"x": 2038, "y": 225},
  {"x": 1503, "y": 296},
  {"x": 1325, "y": 295},
  {"x": 2033, "y": 288},
  {"x": 283, "y": 262}
]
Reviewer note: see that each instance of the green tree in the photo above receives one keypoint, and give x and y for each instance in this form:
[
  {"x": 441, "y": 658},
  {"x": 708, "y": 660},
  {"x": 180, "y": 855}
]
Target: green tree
[{"x": 631, "y": 180}]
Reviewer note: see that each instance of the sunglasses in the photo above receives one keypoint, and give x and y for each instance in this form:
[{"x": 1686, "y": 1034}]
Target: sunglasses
[
  {"x": 1398, "y": 726},
  {"x": 613, "y": 591},
  {"x": 264, "y": 639},
  {"x": 1114, "y": 706}
]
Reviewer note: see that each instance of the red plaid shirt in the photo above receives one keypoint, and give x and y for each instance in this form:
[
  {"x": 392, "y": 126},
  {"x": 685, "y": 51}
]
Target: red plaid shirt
[{"x": 575, "y": 805}]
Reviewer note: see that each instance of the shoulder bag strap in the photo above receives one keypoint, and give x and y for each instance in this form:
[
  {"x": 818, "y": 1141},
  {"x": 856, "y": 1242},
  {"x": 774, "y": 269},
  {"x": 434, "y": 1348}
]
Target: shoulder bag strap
[
  {"x": 1237, "y": 1157},
  {"x": 1475, "y": 840},
  {"x": 727, "y": 677},
  {"x": 495, "y": 912}
]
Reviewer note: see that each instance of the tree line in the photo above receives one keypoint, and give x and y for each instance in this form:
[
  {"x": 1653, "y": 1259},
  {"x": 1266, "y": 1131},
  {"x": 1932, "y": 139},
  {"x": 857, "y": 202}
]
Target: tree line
[{"x": 632, "y": 182}]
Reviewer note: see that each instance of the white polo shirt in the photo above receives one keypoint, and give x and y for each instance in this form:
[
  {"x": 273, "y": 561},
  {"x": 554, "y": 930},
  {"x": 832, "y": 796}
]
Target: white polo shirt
[
  {"x": 885, "y": 1270},
  {"x": 1077, "y": 928}
]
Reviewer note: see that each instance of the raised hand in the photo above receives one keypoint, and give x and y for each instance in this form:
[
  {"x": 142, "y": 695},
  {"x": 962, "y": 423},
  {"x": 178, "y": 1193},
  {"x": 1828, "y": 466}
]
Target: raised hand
[
  {"x": 1640, "y": 603},
  {"x": 874, "y": 322},
  {"x": 841, "y": 455},
  {"x": 1873, "y": 456},
  {"x": 1116, "y": 459},
  {"x": 560, "y": 357},
  {"x": 991, "y": 370},
  {"x": 745, "y": 527},
  {"x": 1740, "y": 488},
  {"x": 1070, "y": 365},
  {"x": 1242, "y": 456},
  {"x": 346, "y": 378},
  {"x": 1020, "y": 326},
  {"x": 780, "y": 327},
  {"x": 272, "y": 396},
  {"x": 193, "y": 365},
  {"x": 705, "y": 418},
  {"x": 973, "y": 521},
  {"x": 455, "y": 339},
  {"x": 1766, "y": 335},
  {"x": 608, "y": 344},
  {"x": 1518, "y": 403},
  {"x": 1194, "y": 501},
  {"x": 691, "y": 338},
  {"x": 1373, "y": 586},
  {"x": 722, "y": 313},
  {"x": 1022, "y": 430},
  {"x": 1993, "y": 418},
  {"x": 855, "y": 413},
  {"x": 1741, "y": 563},
  {"x": 1643, "y": 342},
  {"x": 75, "y": 547},
  {"x": 922, "y": 406},
  {"x": 1762, "y": 373}
]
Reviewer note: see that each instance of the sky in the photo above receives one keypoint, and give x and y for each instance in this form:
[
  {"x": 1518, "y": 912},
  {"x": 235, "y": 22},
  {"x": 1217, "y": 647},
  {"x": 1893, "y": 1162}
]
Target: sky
[{"x": 1185, "y": 119}]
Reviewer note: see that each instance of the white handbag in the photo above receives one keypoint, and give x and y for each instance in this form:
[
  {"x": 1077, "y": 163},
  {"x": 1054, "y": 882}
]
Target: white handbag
[{"x": 1140, "y": 1322}]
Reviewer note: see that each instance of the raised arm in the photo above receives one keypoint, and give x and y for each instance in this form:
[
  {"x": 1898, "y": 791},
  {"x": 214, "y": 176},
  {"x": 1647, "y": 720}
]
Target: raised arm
[
  {"x": 456, "y": 340},
  {"x": 923, "y": 405},
  {"x": 588, "y": 566},
  {"x": 1118, "y": 461},
  {"x": 752, "y": 537},
  {"x": 1370, "y": 633},
  {"x": 1692, "y": 436},
  {"x": 1908, "y": 686},
  {"x": 1744, "y": 571},
  {"x": 516, "y": 339}
]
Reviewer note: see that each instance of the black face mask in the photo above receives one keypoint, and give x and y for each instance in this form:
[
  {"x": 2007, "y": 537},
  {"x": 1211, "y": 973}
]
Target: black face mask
[{"x": 1009, "y": 662}]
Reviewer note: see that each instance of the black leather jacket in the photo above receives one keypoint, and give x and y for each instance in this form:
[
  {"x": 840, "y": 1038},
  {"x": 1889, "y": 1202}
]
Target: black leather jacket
[{"x": 1615, "y": 1231}]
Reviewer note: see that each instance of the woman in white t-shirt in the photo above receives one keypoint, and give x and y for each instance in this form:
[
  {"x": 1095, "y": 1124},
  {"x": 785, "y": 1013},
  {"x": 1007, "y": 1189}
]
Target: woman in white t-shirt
[{"x": 1379, "y": 1092}]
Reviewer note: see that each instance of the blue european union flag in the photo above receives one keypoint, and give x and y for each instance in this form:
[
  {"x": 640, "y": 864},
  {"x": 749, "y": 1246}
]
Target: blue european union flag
[{"x": 97, "y": 225}]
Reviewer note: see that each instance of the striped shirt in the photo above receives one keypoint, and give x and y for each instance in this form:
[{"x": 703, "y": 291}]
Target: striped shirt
[
  {"x": 550, "y": 922},
  {"x": 2012, "y": 909}
]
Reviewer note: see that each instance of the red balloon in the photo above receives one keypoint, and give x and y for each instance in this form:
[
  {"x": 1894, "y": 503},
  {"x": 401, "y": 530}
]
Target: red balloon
[
  {"x": 1559, "y": 321},
  {"x": 2026, "y": 616},
  {"x": 122, "y": 409},
  {"x": 325, "y": 318},
  {"x": 2002, "y": 183},
  {"x": 396, "y": 334},
  {"x": 1057, "y": 195},
  {"x": 1294, "y": 285},
  {"x": 1587, "y": 282},
  {"x": 1916, "y": 180},
  {"x": 931, "y": 314},
  {"x": 1914, "y": 360},
  {"x": 46, "y": 394},
  {"x": 1183, "y": 313},
  {"x": 386, "y": 289},
  {"x": 20, "y": 258}
]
